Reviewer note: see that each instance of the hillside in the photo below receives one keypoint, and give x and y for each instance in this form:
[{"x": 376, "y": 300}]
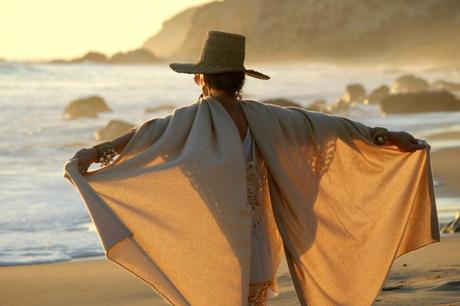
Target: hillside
[{"x": 369, "y": 31}]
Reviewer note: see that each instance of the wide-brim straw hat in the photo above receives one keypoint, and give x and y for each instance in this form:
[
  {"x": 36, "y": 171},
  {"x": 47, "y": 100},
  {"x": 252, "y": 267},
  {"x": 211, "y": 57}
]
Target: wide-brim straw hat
[{"x": 221, "y": 52}]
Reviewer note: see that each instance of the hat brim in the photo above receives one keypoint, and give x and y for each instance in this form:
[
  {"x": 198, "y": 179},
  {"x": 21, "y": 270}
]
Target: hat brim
[{"x": 200, "y": 68}]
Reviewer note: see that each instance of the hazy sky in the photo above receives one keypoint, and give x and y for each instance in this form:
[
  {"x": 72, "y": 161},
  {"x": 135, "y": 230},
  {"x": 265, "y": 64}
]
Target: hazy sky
[{"x": 45, "y": 29}]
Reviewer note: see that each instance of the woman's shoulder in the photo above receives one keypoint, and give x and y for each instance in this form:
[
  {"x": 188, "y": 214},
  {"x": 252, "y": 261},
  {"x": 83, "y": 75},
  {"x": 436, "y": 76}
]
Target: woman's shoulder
[{"x": 273, "y": 109}]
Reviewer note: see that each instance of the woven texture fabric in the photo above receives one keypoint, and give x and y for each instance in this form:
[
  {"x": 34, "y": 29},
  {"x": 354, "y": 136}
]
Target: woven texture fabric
[
  {"x": 221, "y": 52},
  {"x": 172, "y": 208},
  {"x": 266, "y": 243}
]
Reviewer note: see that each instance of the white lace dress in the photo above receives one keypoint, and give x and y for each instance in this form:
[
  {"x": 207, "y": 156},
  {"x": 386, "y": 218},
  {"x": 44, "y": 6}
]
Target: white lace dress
[{"x": 266, "y": 243}]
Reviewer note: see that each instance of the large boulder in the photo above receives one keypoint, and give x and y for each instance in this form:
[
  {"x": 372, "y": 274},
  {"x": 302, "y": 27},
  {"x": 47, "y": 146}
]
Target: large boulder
[
  {"x": 87, "y": 107},
  {"x": 354, "y": 93},
  {"x": 159, "y": 108},
  {"x": 409, "y": 83},
  {"x": 446, "y": 85},
  {"x": 113, "y": 129},
  {"x": 319, "y": 105},
  {"x": 434, "y": 101},
  {"x": 340, "y": 106},
  {"x": 282, "y": 102},
  {"x": 377, "y": 95}
]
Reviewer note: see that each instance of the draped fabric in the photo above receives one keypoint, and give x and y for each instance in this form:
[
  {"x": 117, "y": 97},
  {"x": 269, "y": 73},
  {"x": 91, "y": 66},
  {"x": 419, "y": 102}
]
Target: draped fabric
[{"x": 171, "y": 209}]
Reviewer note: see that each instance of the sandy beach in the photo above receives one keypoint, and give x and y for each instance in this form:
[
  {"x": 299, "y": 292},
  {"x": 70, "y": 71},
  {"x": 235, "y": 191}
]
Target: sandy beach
[{"x": 429, "y": 276}]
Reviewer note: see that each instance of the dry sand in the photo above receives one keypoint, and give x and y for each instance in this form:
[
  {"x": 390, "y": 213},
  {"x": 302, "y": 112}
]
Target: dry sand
[
  {"x": 429, "y": 276},
  {"x": 447, "y": 135}
]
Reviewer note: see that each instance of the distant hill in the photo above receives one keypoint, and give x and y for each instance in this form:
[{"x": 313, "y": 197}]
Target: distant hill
[{"x": 368, "y": 31}]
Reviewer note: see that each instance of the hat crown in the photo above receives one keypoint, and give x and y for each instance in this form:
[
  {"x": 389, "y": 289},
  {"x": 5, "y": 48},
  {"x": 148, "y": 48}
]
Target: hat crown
[
  {"x": 223, "y": 49},
  {"x": 221, "y": 52}
]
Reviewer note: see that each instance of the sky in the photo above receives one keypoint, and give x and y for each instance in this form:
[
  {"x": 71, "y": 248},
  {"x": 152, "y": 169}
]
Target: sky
[{"x": 49, "y": 29}]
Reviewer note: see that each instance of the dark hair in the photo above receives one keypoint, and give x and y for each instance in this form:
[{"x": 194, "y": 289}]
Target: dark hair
[{"x": 231, "y": 81}]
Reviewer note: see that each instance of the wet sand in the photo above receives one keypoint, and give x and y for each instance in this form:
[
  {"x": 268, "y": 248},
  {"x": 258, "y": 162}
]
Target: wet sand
[
  {"x": 429, "y": 276},
  {"x": 445, "y": 164}
]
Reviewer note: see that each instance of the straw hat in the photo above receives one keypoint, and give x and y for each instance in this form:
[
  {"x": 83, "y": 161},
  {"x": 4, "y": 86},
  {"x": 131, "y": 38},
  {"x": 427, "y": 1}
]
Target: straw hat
[{"x": 221, "y": 52}]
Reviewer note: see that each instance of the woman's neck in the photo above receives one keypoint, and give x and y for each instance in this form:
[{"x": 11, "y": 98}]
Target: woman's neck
[{"x": 224, "y": 97}]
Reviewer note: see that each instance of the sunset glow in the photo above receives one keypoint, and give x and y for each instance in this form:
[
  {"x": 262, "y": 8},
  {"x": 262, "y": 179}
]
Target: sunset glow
[{"x": 65, "y": 28}]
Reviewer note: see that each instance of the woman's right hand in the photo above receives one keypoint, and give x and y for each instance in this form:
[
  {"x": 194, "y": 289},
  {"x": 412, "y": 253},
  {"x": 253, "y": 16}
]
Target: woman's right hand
[{"x": 86, "y": 157}]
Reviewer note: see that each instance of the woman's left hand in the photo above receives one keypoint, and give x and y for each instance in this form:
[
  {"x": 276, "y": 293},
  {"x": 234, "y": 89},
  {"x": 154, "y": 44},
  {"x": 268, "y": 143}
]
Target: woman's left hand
[{"x": 405, "y": 141}]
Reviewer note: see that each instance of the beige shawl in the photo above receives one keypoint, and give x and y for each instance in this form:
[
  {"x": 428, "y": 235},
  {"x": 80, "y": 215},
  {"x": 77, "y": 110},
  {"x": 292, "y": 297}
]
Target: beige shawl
[{"x": 172, "y": 208}]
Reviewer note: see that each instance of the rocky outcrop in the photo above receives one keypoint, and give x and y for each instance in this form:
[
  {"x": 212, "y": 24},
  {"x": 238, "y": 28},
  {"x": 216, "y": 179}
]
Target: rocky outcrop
[
  {"x": 453, "y": 226},
  {"x": 435, "y": 101},
  {"x": 173, "y": 33},
  {"x": 90, "y": 57},
  {"x": 138, "y": 56},
  {"x": 377, "y": 95},
  {"x": 354, "y": 93},
  {"x": 95, "y": 57},
  {"x": 441, "y": 84},
  {"x": 282, "y": 102},
  {"x": 340, "y": 106},
  {"x": 113, "y": 129},
  {"x": 409, "y": 83},
  {"x": 422, "y": 31},
  {"x": 319, "y": 105},
  {"x": 159, "y": 108},
  {"x": 87, "y": 107}
]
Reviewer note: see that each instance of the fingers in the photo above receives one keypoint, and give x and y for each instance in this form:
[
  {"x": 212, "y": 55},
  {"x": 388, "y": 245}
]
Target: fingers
[
  {"x": 82, "y": 166},
  {"x": 420, "y": 143},
  {"x": 410, "y": 146},
  {"x": 78, "y": 154},
  {"x": 413, "y": 144}
]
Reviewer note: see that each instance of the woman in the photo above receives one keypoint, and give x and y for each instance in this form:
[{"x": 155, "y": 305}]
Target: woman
[{"x": 220, "y": 73}]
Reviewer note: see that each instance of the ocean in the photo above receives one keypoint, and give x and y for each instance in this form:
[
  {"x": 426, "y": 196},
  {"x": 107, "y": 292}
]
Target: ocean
[{"x": 43, "y": 219}]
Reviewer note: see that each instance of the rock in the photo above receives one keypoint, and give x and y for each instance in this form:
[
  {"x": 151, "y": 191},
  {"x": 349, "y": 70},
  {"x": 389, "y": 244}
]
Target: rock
[
  {"x": 388, "y": 33},
  {"x": 441, "y": 84},
  {"x": 86, "y": 107},
  {"x": 162, "y": 107},
  {"x": 377, "y": 95},
  {"x": 409, "y": 83},
  {"x": 138, "y": 56},
  {"x": 93, "y": 57},
  {"x": 318, "y": 106},
  {"x": 113, "y": 129},
  {"x": 282, "y": 102},
  {"x": 453, "y": 226},
  {"x": 340, "y": 106},
  {"x": 74, "y": 145},
  {"x": 354, "y": 93},
  {"x": 434, "y": 101}
]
